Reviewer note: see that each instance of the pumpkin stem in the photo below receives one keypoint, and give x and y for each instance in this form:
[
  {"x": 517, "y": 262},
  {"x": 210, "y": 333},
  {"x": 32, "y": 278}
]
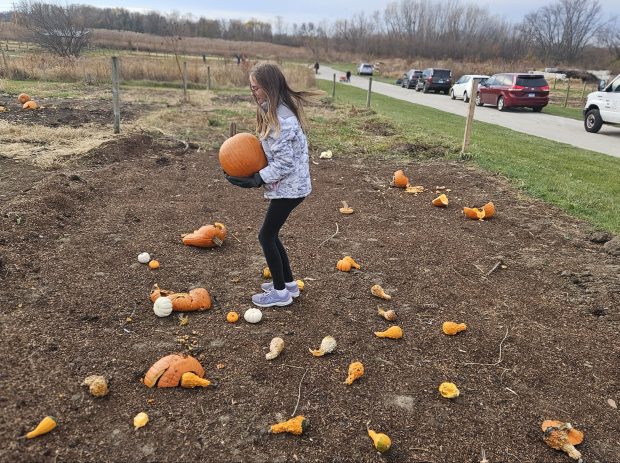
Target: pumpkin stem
[{"x": 217, "y": 241}]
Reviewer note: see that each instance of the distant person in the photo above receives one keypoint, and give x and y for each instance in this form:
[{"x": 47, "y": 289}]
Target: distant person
[
  {"x": 238, "y": 56},
  {"x": 348, "y": 76},
  {"x": 316, "y": 67}
]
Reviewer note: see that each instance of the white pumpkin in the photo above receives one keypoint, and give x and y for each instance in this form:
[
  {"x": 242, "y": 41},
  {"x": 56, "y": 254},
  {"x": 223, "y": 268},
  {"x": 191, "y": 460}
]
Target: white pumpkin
[
  {"x": 144, "y": 257},
  {"x": 162, "y": 307},
  {"x": 253, "y": 315}
]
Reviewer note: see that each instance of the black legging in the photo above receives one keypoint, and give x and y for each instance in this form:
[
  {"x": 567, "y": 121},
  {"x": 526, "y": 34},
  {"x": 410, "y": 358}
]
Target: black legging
[{"x": 275, "y": 254}]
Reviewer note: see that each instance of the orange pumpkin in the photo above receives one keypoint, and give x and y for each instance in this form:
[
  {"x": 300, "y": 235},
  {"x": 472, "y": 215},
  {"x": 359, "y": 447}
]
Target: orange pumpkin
[
  {"x": 30, "y": 105},
  {"x": 400, "y": 180},
  {"x": 23, "y": 98},
  {"x": 168, "y": 370},
  {"x": 206, "y": 236},
  {"x": 196, "y": 299},
  {"x": 242, "y": 155}
]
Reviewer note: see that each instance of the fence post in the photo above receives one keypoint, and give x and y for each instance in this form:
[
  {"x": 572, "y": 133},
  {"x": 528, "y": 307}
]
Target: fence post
[
  {"x": 185, "y": 81},
  {"x": 334, "y": 87},
  {"x": 470, "y": 115},
  {"x": 583, "y": 92},
  {"x": 232, "y": 130},
  {"x": 115, "y": 95},
  {"x": 208, "y": 77},
  {"x": 369, "y": 92},
  {"x": 567, "y": 92}
]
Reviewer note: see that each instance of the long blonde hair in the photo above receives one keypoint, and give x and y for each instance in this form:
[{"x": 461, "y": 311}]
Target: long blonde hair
[{"x": 270, "y": 78}]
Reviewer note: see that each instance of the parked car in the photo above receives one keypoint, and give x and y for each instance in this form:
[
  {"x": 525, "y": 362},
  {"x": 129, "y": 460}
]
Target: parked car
[
  {"x": 514, "y": 89},
  {"x": 603, "y": 107},
  {"x": 462, "y": 88},
  {"x": 410, "y": 78},
  {"x": 364, "y": 69},
  {"x": 438, "y": 80}
]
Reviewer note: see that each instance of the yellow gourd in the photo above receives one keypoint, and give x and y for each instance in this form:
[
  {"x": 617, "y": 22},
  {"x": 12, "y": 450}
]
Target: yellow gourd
[
  {"x": 294, "y": 426},
  {"x": 449, "y": 390},
  {"x": 232, "y": 317},
  {"x": 301, "y": 285},
  {"x": 382, "y": 442},
  {"x": 140, "y": 420},
  {"x": 356, "y": 370},
  {"x": 393, "y": 332},
  {"x": 452, "y": 328},
  {"x": 191, "y": 380},
  {"x": 266, "y": 273},
  {"x": 350, "y": 260},
  {"x": 46, "y": 425},
  {"x": 378, "y": 291}
]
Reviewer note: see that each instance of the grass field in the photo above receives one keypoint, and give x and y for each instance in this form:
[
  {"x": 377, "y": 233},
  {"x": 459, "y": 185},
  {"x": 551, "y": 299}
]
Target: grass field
[{"x": 583, "y": 183}]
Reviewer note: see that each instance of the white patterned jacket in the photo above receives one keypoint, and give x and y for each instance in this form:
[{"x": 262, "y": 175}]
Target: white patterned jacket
[{"x": 287, "y": 174}]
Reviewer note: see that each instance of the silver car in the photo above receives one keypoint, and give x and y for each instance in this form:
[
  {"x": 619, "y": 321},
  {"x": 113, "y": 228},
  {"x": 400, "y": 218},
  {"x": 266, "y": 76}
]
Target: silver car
[
  {"x": 364, "y": 69},
  {"x": 462, "y": 88}
]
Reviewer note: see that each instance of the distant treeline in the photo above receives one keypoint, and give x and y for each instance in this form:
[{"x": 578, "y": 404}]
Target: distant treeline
[{"x": 444, "y": 29}]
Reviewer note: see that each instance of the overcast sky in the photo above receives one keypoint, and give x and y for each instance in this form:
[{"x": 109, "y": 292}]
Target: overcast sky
[{"x": 295, "y": 11}]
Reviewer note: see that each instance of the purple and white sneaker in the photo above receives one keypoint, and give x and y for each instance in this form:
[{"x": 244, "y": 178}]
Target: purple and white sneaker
[
  {"x": 275, "y": 297},
  {"x": 292, "y": 287}
]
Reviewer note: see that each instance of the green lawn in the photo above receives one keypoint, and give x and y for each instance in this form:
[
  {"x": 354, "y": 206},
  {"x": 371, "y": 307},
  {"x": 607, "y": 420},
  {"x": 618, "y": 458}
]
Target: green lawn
[{"x": 583, "y": 183}]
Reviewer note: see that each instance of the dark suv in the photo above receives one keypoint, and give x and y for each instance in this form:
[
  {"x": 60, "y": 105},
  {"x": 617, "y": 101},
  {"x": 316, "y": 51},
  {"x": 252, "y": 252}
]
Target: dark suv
[
  {"x": 438, "y": 80},
  {"x": 410, "y": 79}
]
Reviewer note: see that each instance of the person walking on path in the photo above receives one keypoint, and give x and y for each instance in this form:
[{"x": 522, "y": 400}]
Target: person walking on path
[
  {"x": 316, "y": 67},
  {"x": 281, "y": 126},
  {"x": 348, "y": 76}
]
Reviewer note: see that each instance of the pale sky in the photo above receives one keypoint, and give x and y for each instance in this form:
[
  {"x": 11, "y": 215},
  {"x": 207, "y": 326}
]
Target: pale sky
[{"x": 295, "y": 11}]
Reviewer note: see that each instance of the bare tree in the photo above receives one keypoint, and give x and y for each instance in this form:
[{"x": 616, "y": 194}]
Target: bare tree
[
  {"x": 609, "y": 37},
  {"x": 562, "y": 30},
  {"x": 57, "y": 28}
]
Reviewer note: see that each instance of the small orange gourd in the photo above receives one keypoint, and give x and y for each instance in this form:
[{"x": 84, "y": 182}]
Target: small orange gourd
[
  {"x": 295, "y": 426},
  {"x": 393, "y": 332},
  {"x": 168, "y": 370},
  {"x": 440, "y": 201},
  {"x": 207, "y": 236},
  {"x": 154, "y": 264},
  {"x": 242, "y": 155},
  {"x": 343, "y": 265},
  {"x": 352, "y": 262},
  {"x": 46, "y": 425},
  {"x": 452, "y": 328},
  {"x": 23, "y": 98},
  {"x": 399, "y": 179},
  {"x": 232, "y": 317},
  {"x": 191, "y": 380},
  {"x": 356, "y": 370}
]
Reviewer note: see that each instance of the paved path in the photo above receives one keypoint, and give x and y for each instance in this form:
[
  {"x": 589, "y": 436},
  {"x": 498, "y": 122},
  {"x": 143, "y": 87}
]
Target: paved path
[{"x": 556, "y": 128}]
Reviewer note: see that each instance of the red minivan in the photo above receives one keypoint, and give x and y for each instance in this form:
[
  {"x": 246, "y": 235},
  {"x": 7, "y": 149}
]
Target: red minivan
[{"x": 512, "y": 90}]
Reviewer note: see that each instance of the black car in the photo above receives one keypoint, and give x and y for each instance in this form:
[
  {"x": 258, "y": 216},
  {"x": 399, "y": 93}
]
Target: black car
[
  {"x": 410, "y": 78},
  {"x": 437, "y": 80}
]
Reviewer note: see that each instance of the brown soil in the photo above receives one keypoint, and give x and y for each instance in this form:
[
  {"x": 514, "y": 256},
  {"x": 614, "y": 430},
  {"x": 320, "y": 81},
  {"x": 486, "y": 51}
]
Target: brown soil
[{"x": 542, "y": 337}]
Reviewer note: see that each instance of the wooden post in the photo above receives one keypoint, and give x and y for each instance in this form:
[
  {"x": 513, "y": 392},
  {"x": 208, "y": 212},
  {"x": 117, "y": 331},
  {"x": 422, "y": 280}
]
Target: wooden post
[
  {"x": 470, "y": 115},
  {"x": 567, "y": 92},
  {"x": 185, "y": 81},
  {"x": 232, "y": 130},
  {"x": 208, "y": 77},
  {"x": 583, "y": 92},
  {"x": 369, "y": 92},
  {"x": 334, "y": 87},
  {"x": 555, "y": 80},
  {"x": 115, "y": 95}
]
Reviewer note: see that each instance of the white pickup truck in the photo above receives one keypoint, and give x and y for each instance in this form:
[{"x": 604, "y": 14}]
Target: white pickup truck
[{"x": 603, "y": 107}]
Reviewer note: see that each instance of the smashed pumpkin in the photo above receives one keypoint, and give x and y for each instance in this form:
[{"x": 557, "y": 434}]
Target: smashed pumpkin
[
  {"x": 399, "y": 179},
  {"x": 207, "y": 236},
  {"x": 440, "y": 201},
  {"x": 485, "y": 212},
  {"x": 168, "y": 370},
  {"x": 562, "y": 436},
  {"x": 195, "y": 299}
]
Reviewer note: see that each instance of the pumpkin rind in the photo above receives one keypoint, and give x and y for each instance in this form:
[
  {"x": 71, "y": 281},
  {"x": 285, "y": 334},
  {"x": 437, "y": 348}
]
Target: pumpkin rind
[
  {"x": 473, "y": 213},
  {"x": 207, "y": 236},
  {"x": 31, "y": 104},
  {"x": 242, "y": 155},
  {"x": 440, "y": 201},
  {"x": 489, "y": 210},
  {"x": 170, "y": 369},
  {"x": 575, "y": 437}
]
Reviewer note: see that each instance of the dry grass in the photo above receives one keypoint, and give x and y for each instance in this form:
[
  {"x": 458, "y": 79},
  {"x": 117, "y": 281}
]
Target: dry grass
[{"x": 48, "y": 147}]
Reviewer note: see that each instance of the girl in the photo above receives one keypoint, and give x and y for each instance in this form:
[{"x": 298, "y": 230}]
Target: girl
[{"x": 281, "y": 126}]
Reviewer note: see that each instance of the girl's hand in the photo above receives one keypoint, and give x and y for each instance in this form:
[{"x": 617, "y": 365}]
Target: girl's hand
[{"x": 246, "y": 182}]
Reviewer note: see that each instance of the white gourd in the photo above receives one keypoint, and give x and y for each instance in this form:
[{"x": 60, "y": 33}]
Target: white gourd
[
  {"x": 162, "y": 307},
  {"x": 253, "y": 315},
  {"x": 144, "y": 257}
]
